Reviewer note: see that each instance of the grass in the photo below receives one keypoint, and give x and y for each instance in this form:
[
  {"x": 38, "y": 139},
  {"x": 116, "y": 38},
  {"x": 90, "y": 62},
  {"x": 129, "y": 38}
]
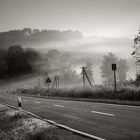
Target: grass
[
  {"x": 15, "y": 126},
  {"x": 128, "y": 93}
]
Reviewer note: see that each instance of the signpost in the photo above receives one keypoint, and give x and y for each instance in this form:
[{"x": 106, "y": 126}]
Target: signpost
[
  {"x": 48, "y": 81},
  {"x": 114, "y": 68}
]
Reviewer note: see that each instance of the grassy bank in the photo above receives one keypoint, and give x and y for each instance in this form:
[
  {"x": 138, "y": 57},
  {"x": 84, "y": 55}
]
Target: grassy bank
[
  {"x": 15, "y": 126},
  {"x": 128, "y": 93}
]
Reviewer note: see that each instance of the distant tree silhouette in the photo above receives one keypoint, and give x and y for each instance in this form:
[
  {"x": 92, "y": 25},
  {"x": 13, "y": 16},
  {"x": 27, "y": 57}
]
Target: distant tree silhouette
[
  {"x": 3, "y": 64},
  {"x": 17, "y": 61},
  {"x": 53, "y": 54},
  {"x": 122, "y": 70},
  {"x": 137, "y": 80},
  {"x": 32, "y": 55},
  {"x": 106, "y": 70},
  {"x": 28, "y": 36}
]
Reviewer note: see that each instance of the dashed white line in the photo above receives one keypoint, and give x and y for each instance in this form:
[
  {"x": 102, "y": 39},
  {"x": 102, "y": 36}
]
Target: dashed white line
[
  {"x": 59, "y": 105},
  {"x": 37, "y": 102},
  {"x": 71, "y": 117},
  {"x": 102, "y": 113}
]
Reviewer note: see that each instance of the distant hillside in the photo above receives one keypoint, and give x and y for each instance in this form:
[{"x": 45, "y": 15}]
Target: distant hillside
[{"x": 27, "y": 37}]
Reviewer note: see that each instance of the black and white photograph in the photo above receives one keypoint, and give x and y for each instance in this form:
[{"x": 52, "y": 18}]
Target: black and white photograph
[{"x": 69, "y": 69}]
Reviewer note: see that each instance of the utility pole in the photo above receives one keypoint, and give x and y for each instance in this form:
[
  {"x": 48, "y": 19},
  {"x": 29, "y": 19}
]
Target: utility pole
[
  {"x": 56, "y": 82},
  {"x": 114, "y": 68},
  {"x": 85, "y": 74}
]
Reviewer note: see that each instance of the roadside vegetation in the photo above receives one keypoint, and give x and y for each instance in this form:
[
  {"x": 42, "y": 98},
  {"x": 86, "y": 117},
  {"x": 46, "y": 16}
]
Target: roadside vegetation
[
  {"x": 130, "y": 93},
  {"x": 15, "y": 126}
]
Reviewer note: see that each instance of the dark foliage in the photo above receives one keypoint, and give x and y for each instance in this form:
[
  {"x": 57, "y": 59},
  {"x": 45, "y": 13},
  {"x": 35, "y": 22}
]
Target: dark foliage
[
  {"x": 29, "y": 36},
  {"x": 16, "y": 61},
  {"x": 137, "y": 80}
]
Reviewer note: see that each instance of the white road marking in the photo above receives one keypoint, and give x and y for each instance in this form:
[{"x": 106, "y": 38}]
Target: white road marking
[
  {"x": 102, "y": 113},
  {"x": 37, "y": 102},
  {"x": 71, "y": 117},
  {"x": 59, "y": 105},
  {"x": 119, "y": 105}
]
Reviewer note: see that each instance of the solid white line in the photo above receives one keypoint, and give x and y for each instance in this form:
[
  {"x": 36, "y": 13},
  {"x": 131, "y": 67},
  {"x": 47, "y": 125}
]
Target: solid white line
[
  {"x": 59, "y": 105},
  {"x": 37, "y": 102},
  {"x": 102, "y": 113}
]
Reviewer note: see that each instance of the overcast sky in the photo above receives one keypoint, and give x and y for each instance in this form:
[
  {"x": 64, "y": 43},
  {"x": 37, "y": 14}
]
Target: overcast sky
[{"x": 113, "y": 18}]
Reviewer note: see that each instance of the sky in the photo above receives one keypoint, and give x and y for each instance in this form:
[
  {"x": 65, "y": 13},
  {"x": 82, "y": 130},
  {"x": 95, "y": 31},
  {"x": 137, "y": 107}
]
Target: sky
[{"x": 109, "y": 18}]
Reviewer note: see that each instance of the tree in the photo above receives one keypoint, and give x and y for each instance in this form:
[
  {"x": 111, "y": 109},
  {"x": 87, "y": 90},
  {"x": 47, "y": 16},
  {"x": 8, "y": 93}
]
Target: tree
[
  {"x": 122, "y": 70},
  {"x": 106, "y": 70},
  {"x": 53, "y": 54},
  {"x": 136, "y": 55},
  {"x": 3, "y": 64},
  {"x": 32, "y": 55},
  {"x": 17, "y": 61},
  {"x": 61, "y": 65}
]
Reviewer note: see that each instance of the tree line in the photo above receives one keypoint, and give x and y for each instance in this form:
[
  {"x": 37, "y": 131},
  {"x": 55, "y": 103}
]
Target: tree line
[
  {"x": 17, "y": 60},
  {"x": 28, "y": 36}
]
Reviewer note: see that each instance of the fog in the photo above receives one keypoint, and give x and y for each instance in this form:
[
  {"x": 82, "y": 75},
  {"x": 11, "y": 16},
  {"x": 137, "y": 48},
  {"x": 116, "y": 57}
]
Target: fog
[{"x": 93, "y": 49}]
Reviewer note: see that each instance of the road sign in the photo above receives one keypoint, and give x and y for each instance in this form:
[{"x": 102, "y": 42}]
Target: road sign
[
  {"x": 114, "y": 67},
  {"x": 48, "y": 80}
]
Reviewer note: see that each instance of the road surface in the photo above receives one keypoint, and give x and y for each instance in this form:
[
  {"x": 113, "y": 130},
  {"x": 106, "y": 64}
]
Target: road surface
[{"x": 107, "y": 121}]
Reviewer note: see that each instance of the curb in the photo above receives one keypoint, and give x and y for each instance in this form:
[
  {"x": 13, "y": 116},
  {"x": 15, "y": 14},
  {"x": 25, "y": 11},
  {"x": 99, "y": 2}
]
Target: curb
[{"x": 58, "y": 125}]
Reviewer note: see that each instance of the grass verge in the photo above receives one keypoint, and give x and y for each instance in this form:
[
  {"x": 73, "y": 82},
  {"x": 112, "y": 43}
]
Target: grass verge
[
  {"x": 128, "y": 95},
  {"x": 16, "y": 126}
]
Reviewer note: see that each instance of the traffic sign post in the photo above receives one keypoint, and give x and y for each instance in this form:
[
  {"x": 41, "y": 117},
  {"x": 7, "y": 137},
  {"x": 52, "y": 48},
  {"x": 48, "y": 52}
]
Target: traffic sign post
[
  {"x": 48, "y": 81},
  {"x": 114, "y": 68}
]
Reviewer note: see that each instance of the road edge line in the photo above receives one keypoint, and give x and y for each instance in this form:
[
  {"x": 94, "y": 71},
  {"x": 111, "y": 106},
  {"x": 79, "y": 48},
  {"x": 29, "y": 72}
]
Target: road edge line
[{"x": 57, "y": 124}]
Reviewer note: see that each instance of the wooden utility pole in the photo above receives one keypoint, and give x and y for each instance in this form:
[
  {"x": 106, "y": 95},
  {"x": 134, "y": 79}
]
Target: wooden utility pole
[
  {"x": 85, "y": 75},
  {"x": 56, "y": 82}
]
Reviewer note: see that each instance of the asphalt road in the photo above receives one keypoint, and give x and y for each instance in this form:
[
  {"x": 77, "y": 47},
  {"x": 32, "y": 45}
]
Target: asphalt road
[{"x": 107, "y": 121}]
